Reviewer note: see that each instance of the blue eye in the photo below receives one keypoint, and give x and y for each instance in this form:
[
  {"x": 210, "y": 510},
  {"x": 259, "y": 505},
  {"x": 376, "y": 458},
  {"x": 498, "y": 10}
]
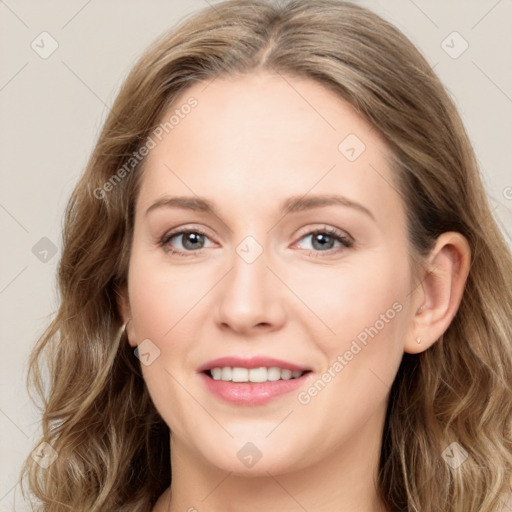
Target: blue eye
[
  {"x": 323, "y": 240},
  {"x": 189, "y": 241},
  {"x": 192, "y": 241}
]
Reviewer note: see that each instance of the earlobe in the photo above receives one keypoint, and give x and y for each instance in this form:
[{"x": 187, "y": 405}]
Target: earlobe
[{"x": 441, "y": 291}]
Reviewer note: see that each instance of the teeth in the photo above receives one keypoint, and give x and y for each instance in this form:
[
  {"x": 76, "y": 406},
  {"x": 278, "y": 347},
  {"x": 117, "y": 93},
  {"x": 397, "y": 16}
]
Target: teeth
[
  {"x": 258, "y": 375},
  {"x": 261, "y": 374},
  {"x": 217, "y": 373},
  {"x": 273, "y": 373},
  {"x": 240, "y": 375},
  {"x": 286, "y": 374}
]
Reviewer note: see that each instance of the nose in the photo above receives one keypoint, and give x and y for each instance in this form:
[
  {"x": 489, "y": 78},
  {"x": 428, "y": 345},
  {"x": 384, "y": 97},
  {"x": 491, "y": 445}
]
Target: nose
[{"x": 251, "y": 298}]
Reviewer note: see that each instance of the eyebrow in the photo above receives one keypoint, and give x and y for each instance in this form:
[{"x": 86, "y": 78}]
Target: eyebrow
[{"x": 291, "y": 205}]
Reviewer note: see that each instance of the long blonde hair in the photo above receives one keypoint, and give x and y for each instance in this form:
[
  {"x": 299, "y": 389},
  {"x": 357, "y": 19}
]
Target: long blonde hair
[{"x": 112, "y": 445}]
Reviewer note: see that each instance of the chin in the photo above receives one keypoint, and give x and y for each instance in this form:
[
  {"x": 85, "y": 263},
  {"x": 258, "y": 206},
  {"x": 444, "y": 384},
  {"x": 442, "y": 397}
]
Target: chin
[{"x": 252, "y": 458}]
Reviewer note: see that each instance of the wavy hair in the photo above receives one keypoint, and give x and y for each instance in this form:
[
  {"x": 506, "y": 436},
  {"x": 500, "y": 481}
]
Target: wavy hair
[{"x": 112, "y": 445}]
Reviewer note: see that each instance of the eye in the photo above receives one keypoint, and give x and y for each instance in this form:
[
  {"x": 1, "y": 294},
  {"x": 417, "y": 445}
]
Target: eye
[
  {"x": 191, "y": 242},
  {"x": 324, "y": 240}
]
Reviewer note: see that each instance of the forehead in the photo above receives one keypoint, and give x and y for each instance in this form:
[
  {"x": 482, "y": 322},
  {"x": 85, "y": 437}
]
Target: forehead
[{"x": 255, "y": 140}]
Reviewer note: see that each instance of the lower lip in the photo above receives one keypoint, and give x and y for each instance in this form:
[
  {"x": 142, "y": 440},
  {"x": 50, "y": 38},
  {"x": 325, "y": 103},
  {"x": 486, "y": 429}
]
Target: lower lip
[{"x": 251, "y": 393}]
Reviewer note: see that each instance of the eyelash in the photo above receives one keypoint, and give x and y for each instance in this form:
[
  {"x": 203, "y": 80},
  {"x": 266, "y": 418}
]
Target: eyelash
[{"x": 338, "y": 237}]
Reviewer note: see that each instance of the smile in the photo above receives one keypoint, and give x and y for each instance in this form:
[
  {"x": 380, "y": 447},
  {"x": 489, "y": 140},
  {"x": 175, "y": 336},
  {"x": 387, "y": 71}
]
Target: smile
[
  {"x": 261, "y": 374},
  {"x": 239, "y": 390}
]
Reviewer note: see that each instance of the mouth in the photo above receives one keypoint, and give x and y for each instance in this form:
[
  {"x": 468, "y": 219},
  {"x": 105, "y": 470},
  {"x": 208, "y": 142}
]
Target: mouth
[
  {"x": 251, "y": 382},
  {"x": 253, "y": 375}
]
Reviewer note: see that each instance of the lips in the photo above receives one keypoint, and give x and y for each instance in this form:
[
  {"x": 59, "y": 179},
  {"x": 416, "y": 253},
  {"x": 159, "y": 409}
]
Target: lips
[
  {"x": 252, "y": 381},
  {"x": 252, "y": 362}
]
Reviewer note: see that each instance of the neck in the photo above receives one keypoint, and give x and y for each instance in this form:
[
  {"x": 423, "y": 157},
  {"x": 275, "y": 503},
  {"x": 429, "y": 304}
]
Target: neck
[{"x": 343, "y": 482}]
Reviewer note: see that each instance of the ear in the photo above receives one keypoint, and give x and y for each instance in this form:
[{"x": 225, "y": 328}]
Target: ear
[
  {"x": 438, "y": 296},
  {"x": 123, "y": 305}
]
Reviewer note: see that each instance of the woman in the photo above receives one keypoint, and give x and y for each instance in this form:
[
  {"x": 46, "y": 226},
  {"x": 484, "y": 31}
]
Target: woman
[{"x": 281, "y": 283}]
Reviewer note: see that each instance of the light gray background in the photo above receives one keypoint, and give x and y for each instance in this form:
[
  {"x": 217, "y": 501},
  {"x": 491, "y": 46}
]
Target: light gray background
[{"x": 51, "y": 111}]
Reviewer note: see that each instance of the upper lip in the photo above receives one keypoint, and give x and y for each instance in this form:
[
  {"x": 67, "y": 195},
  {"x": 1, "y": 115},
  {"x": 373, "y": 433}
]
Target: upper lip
[{"x": 250, "y": 362}]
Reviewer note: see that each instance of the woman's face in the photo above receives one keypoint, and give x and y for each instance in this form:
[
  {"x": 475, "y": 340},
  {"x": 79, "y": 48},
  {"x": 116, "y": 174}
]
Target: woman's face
[{"x": 250, "y": 282}]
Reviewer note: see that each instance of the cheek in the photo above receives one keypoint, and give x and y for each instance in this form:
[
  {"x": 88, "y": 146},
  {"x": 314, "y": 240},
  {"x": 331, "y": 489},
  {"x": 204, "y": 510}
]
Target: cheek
[
  {"x": 159, "y": 306},
  {"x": 348, "y": 299},
  {"x": 362, "y": 309},
  {"x": 365, "y": 309},
  {"x": 162, "y": 296}
]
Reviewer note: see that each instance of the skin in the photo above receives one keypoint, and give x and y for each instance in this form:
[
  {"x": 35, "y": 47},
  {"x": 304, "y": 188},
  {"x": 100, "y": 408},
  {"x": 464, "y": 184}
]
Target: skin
[{"x": 251, "y": 143}]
